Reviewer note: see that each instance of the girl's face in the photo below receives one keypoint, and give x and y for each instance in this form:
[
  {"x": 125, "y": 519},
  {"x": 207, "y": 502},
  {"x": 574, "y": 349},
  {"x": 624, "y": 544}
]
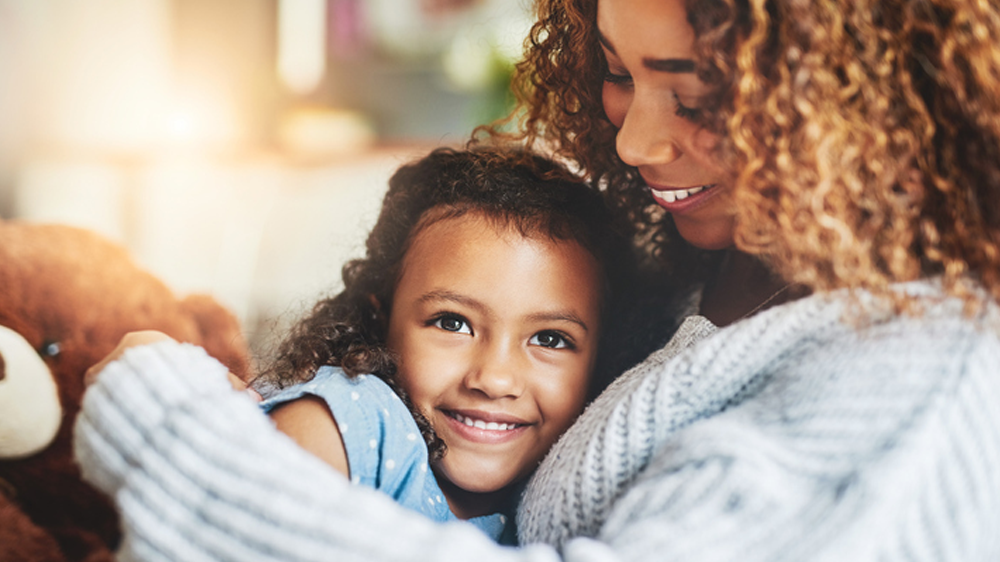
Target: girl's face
[
  {"x": 652, "y": 95},
  {"x": 496, "y": 335}
]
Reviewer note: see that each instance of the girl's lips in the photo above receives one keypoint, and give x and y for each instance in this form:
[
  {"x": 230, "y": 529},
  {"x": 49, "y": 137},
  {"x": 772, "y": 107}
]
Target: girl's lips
[
  {"x": 483, "y": 427},
  {"x": 682, "y": 200}
]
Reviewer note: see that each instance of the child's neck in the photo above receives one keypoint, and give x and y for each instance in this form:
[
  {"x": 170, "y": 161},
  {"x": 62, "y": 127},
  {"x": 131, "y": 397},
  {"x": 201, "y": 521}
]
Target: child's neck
[{"x": 467, "y": 505}]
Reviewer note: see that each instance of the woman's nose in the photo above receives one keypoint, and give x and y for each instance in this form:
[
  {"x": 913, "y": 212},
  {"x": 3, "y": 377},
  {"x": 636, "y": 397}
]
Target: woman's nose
[
  {"x": 645, "y": 137},
  {"x": 497, "y": 372}
]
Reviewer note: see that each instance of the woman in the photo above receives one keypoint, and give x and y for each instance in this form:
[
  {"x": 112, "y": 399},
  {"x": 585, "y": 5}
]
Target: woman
[{"x": 843, "y": 156}]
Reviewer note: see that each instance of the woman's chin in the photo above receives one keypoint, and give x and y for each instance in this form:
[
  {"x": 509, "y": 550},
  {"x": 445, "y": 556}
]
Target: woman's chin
[{"x": 707, "y": 235}]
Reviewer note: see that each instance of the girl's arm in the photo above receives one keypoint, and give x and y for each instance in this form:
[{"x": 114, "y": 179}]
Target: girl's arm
[
  {"x": 309, "y": 423},
  {"x": 198, "y": 472}
]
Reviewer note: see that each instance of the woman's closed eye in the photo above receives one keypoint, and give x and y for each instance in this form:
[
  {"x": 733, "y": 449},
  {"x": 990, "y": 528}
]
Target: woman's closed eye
[
  {"x": 681, "y": 110},
  {"x": 552, "y": 340},
  {"x": 617, "y": 79},
  {"x": 452, "y": 323},
  {"x": 685, "y": 112}
]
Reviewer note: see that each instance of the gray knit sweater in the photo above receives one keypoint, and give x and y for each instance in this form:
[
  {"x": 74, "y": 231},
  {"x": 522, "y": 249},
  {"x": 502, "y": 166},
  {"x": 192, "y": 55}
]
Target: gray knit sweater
[{"x": 797, "y": 434}]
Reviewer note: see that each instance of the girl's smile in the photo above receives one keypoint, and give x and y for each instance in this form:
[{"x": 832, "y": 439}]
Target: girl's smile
[
  {"x": 497, "y": 335},
  {"x": 473, "y": 426}
]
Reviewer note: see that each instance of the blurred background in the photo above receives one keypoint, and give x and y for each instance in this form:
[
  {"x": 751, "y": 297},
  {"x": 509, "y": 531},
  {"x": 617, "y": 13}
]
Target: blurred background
[{"x": 239, "y": 147}]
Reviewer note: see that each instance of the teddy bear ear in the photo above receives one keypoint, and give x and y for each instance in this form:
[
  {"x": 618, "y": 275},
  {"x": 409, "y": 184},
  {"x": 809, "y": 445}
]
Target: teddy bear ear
[
  {"x": 29, "y": 398},
  {"x": 220, "y": 332}
]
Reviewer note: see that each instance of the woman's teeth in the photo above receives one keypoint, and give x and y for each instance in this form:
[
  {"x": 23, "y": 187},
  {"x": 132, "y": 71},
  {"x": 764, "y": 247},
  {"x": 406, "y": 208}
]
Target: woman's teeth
[
  {"x": 480, "y": 424},
  {"x": 678, "y": 194}
]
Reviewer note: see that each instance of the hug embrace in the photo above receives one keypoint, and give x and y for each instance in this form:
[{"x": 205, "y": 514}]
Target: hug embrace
[{"x": 785, "y": 252}]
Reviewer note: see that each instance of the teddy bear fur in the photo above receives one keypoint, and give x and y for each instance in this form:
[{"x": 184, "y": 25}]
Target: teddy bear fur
[{"x": 72, "y": 295}]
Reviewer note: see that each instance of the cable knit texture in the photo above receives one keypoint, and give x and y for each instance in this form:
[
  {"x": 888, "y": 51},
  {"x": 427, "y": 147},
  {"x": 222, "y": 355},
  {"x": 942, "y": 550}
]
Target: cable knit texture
[{"x": 796, "y": 434}]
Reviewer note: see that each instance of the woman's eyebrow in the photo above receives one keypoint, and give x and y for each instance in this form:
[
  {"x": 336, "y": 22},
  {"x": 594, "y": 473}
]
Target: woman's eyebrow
[{"x": 673, "y": 66}]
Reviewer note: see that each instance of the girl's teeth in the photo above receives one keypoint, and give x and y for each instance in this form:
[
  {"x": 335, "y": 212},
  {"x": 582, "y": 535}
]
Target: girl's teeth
[{"x": 480, "y": 424}]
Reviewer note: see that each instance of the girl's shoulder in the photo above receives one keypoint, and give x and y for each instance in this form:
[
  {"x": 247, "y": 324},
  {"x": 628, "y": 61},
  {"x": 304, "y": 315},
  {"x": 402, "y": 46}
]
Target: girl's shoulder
[{"x": 329, "y": 381}]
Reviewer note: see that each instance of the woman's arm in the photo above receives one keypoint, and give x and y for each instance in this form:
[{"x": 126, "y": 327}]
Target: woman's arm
[
  {"x": 789, "y": 438},
  {"x": 200, "y": 473}
]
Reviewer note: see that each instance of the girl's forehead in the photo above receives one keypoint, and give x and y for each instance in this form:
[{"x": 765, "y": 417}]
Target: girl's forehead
[
  {"x": 476, "y": 240},
  {"x": 467, "y": 259}
]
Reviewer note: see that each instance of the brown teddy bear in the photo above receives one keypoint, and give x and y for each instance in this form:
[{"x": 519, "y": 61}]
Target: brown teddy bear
[{"x": 66, "y": 298}]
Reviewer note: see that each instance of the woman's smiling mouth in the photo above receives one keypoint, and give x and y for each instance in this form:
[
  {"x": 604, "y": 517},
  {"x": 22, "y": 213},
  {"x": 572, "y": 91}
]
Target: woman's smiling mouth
[
  {"x": 671, "y": 195},
  {"x": 679, "y": 200}
]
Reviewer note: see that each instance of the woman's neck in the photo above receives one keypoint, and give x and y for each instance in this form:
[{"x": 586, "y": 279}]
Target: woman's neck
[{"x": 742, "y": 286}]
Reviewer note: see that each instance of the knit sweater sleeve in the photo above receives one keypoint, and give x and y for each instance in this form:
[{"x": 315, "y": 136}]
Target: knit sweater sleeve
[
  {"x": 199, "y": 473},
  {"x": 795, "y": 435},
  {"x": 863, "y": 478}
]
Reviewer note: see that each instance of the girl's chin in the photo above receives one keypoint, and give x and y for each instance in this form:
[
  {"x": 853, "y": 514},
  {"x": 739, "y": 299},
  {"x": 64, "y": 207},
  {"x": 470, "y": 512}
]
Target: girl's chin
[
  {"x": 487, "y": 482},
  {"x": 477, "y": 475}
]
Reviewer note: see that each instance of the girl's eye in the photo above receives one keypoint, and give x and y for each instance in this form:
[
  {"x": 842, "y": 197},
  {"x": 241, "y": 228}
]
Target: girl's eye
[
  {"x": 685, "y": 112},
  {"x": 551, "y": 340},
  {"x": 452, "y": 323}
]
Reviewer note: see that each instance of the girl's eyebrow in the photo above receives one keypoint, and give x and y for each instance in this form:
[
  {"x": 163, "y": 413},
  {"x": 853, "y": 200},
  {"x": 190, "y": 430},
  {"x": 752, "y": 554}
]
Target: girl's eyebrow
[
  {"x": 451, "y": 296},
  {"x": 559, "y": 316},
  {"x": 673, "y": 66}
]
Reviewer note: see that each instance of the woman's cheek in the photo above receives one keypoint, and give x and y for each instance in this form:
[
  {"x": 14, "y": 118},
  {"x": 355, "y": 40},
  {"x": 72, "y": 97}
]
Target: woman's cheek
[
  {"x": 706, "y": 141},
  {"x": 615, "y": 104}
]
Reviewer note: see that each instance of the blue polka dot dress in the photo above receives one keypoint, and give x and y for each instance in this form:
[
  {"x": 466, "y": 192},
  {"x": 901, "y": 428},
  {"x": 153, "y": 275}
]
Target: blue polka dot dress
[{"x": 385, "y": 450}]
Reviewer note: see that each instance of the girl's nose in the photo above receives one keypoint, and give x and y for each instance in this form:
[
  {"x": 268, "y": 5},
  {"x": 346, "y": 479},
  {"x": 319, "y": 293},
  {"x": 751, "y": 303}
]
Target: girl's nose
[
  {"x": 645, "y": 138},
  {"x": 497, "y": 373}
]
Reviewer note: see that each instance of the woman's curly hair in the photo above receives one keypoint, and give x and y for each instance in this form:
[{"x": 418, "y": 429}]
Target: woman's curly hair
[
  {"x": 558, "y": 89},
  {"x": 863, "y": 135},
  {"x": 514, "y": 189}
]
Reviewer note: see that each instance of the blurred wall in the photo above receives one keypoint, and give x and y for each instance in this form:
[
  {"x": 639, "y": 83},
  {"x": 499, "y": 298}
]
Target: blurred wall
[{"x": 164, "y": 124}]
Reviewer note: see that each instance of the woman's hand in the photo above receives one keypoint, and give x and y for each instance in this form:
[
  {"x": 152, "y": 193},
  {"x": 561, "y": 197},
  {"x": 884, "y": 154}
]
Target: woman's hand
[
  {"x": 145, "y": 337},
  {"x": 131, "y": 339}
]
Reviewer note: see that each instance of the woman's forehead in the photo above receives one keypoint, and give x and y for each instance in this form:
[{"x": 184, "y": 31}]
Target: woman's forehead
[{"x": 659, "y": 28}]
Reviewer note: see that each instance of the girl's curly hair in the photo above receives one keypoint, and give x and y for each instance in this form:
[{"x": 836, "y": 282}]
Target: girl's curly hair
[
  {"x": 863, "y": 135},
  {"x": 515, "y": 189}
]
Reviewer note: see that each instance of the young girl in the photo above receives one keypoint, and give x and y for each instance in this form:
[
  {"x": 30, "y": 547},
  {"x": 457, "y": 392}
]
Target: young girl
[{"x": 479, "y": 303}]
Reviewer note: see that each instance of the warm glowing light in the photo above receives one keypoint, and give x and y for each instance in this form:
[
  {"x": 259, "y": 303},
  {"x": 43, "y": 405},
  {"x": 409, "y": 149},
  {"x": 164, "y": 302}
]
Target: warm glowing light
[
  {"x": 301, "y": 43},
  {"x": 199, "y": 122},
  {"x": 104, "y": 67},
  {"x": 180, "y": 125}
]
